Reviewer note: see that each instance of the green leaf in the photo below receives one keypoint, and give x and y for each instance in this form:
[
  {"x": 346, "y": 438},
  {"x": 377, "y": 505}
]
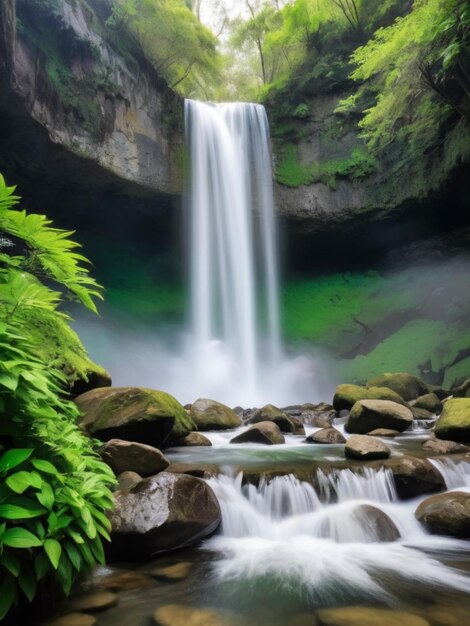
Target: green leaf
[
  {"x": 15, "y": 457},
  {"x": 46, "y": 496},
  {"x": 74, "y": 555},
  {"x": 20, "y": 481},
  {"x": 53, "y": 550},
  {"x": 41, "y": 565},
  {"x": 20, "y": 538},
  {"x": 10, "y": 562},
  {"x": 8, "y": 595},
  {"x": 45, "y": 466},
  {"x": 27, "y": 583},
  {"x": 12, "y": 511}
]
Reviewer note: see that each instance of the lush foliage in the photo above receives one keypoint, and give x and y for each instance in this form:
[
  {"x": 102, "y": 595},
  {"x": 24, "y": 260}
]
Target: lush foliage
[
  {"x": 54, "y": 489},
  {"x": 172, "y": 39}
]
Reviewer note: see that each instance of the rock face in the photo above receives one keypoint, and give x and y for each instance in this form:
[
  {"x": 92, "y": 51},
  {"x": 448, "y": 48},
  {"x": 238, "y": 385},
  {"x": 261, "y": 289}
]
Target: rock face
[
  {"x": 446, "y": 514},
  {"x": 130, "y": 456},
  {"x": 162, "y": 513},
  {"x": 347, "y": 395},
  {"x": 405, "y": 385},
  {"x": 212, "y": 415},
  {"x": 365, "y": 447},
  {"x": 134, "y": 414},
  {"x": 454, "y": 421},
  {"x": 366, "y": 415},
  {"x": 286, "y": 423},
  {"x": 414, "y": 477},
  {"x": 326, "y": 435},
  {"x": 101, "y": 104},
  {"x": 267, "y": 433}
]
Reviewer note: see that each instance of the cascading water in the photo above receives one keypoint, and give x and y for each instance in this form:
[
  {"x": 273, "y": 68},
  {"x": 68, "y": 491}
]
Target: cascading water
[{"x": 235, "y": 341}]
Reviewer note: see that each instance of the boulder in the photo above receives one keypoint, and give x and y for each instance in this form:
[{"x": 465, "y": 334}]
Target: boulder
[
  {"x": 134, "y": 414},
  {"x": 127, "y": 480},
  {"x": 414, "y": 477},
  {"x": 267, "y": 433},
  {"x": 378, "y": 524},
  {"x": 193, "y": 439},
  {"x": 430, "y": 402},
  {"x": 124, "y": 581},
  {"x": 326, "y": 435},
  {"x": 454, "y": 421},
  {"x": 446, "y": 514},
  {"x": 212, "y": 415},
  {"x": 441, "y": 446},
  {"x": 405, "y": 385},
  {"x": 320, "y": 419},
  {"x": 347, "y": 395},
  {"x": 383, "y": 432},
  {"x": 366, "y": 447},
  {"x": 421, "y": 414},
  {"x": 366, "y": 415},
  {"x": 286, "y": 423},
  {"x": 162, "y": 513},
  {"x": 130, "y": 456},
  {"x": 179, "y": 615},
  {"x": 368, "y": 616},
  {"x": 93, "y": 602},
  {"x": 178, "y": 571}
]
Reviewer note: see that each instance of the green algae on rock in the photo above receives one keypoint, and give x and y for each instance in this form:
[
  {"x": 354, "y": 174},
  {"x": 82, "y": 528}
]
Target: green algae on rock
[
  {"x": 347, "y": 395},
  {"x": 454, "y": 421}
]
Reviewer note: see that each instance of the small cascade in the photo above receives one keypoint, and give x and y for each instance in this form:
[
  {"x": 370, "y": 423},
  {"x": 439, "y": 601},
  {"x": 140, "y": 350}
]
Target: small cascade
[
  {"x": 456, "y": 474},
  {"x": 329, "y": 543}
]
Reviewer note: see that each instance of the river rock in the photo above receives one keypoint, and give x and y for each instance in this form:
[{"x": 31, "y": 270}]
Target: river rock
[
  {"x": 127, "y": 480},
  {"x": 366, "y": 415},
  {"x": 320, "y": 419},
  {"x": 212, "y": 415},
  {"x": 286, "y": 423},
  {"x": 74, "y": 619},
  {"x": 178, "y": 571},
  {"x": 163, "y": 512},
  {"x": 414, "y": 477},
  {"x": 347, "y": 395},
  {"x": 92, "y": 602},
  {"x": 267, "y": 433},
  {"x": 446, "y": 514},
  {"x": 326, "y": 435},
  {"x": 366, "y": 447},
  {"x": 380, "y": 527},
  {"x": 421, "y": 414},
  {"x": 133, "y": 414},
  {"x": 454, "y": 421},
  {"x": 405, "y": 385},
  {"x": 430, "y": 402},
  {"x": 124, "y": 581},
  {"x": 368, "y": 616},
  {"x": 193, "y": 439},
  {"x": 179, "y": 615},
  {"x": 130, "y": 456},
  {"x": 441, "y": 446},
  {"x": 383, "y": 432},
  {"x": 446, "y": 614}
]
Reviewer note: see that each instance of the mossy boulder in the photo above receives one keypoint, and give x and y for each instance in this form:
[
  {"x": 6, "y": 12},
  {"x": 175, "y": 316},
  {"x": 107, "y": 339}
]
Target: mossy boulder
[
  {"x": 429, "y": 402},
  {"x": 367, "y": 415},
  {"x": 211, "y": 415},
  {"x": 454, "y": 421},
  {"x": 405, "y": 385},
  {"x": 347, "y": 395},
  {"x": 446, "y": 514},
  {"x": 133, "y": 414}
]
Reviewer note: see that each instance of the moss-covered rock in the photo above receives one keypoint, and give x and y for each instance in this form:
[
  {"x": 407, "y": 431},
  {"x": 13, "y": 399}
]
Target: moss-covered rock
[
  {"x": 211, "y": 415},
  {"x": 57, "y": 344},
  {"x": 454, "y": 421},
  {"x": 133, "y": 414},
  {"x": 429, "y": 402},
  {"x": 405, "y": 385},
  {"x": 347, "y": 395},
  {"x": 367, "y": 415}
]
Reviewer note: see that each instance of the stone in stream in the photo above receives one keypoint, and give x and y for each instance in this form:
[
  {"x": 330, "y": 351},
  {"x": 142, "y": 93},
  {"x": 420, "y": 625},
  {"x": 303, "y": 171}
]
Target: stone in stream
[
  {"x": 131, "y": 456},
  {"x": 134, "y": 414},
  {"x": 446, "y": 514},
  {"x": 454, "y": 421},
  {"x": 368, "y": 616},
  {"x": 365, "y": 447},
  {"x": 326, "y": 435},
  {"x": 74, "y": 619},
  {"x": 366, "y": 415},
  {"x": 378, "y": 524},
  {"x": 93, "y": 602},
  {"x": 267, "y": 433},
  {"x": 211, "y": 415},
  {"x": 347, "y": 395},
  {"x": 179, "y": 615},
  {"x": 383, "y": 432},
  {"x": 177, "y": 571},
  {"x": 193, "y": 439},
  {"x": 127, "y": 480},
  {"x": 320, "y": 419},
  {"x": 286, "y": 423},
  {"x": 429, "y": 402},
  {"x": 447, "y": 615},
  {"x": 414, "y": 477},
  {"x": 407, "y": 386},
  {"x": 421, "y": 414},
  {"x": 124, "y": 581},
  {"x": 161, "y": 513},
  {"x": 441, "y": 446}
]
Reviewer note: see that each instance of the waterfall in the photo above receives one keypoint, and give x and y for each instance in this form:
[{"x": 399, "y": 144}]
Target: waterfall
[{"x": 233, "y": 241}]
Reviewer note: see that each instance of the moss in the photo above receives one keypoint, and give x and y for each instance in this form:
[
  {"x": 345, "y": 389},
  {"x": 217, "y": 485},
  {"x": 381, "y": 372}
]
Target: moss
[
  {"x": 457, "y": 373},
  {"x": 454, "y": 422},
  {"x": 57, "y": 344},
  {"x": 347, "y": 395}
]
